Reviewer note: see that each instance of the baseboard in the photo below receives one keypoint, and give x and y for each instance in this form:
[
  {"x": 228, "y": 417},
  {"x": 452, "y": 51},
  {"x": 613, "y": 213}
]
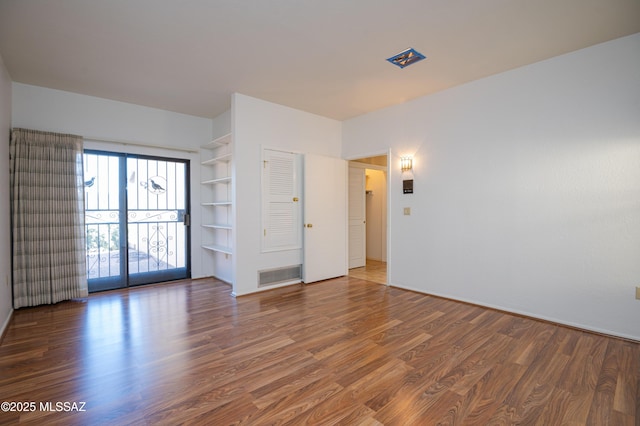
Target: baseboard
[
  {"x": 274, "y": 287},
  {"x": 568, "y": 324},
  {"x": 5, "y": 325}
]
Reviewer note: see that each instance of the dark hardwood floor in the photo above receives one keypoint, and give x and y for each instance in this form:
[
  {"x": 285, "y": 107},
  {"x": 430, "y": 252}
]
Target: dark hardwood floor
[{"x": 344, "y": 351}]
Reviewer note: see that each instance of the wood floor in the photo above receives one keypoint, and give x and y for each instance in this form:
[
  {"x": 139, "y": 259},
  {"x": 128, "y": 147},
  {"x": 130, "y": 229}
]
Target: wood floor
[
  {"x": 374, "y": 271},
  {"x": 344, "y": 351}
]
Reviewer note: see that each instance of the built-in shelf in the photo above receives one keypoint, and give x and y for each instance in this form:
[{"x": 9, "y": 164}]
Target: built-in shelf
[
  {"x": 225, "y": 179},
  {"x": 216, "y": 165},
  {"x": 221, "y": 141},
  {"x": 220, "y": 249},
  {"x": 221, "y": 159},
  {"x": 217, "y": 226},
  {"x": 217, "y": 203}
]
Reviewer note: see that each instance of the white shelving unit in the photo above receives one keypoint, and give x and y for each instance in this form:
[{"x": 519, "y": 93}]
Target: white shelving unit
[
  {"x": 217, "y": 160},
  {"x": 217, "y": 248},
  {"x": 221, "y": 159},
  {"x": 218, "y": 226},
  {"x": 217, "y": 203},
  {"x": 224, "y": 179}
]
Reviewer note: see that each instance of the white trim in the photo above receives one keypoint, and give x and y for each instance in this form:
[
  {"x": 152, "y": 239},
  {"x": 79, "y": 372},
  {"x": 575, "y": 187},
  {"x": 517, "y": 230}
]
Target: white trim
[
  {"x": 6, "y": 324},
  {"x": 371, "y": 154},
  {"x": 356, "y": 164},
  {"x": 132, "y": 143}
]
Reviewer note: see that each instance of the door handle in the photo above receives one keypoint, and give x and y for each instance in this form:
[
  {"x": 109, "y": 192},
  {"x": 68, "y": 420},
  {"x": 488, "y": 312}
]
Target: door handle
[{"x": 309, "y": 225}]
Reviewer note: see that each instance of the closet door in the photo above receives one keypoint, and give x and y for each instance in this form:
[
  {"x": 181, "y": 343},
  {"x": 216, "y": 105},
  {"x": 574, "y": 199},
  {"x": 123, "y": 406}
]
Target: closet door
[
  {"x": 325, "y": 218},
  {"x": 357, "y": 218},
  {"x": 281, "y": 211}
]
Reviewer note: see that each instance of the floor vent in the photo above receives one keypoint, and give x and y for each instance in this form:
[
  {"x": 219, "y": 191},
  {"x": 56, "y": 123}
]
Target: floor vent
[{"x": 269, "y": 277}]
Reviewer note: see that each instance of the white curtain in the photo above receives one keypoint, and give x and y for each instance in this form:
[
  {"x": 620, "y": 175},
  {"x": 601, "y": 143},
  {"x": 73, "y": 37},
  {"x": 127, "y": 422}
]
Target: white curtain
[{"x": 47, "y": 218}]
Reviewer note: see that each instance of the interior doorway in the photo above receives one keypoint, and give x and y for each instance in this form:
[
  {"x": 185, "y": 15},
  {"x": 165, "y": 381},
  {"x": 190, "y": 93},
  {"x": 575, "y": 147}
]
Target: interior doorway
[{"x": 368, "y": 237}]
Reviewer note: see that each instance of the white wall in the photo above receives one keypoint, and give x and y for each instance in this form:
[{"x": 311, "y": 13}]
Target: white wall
[
  {"x": 5, "y": 217},
  {"x": 57, "y": 111},
  {"x": 257, "y": 124},
  {"x": 527, "y": 189},
  {"x": 221, "y": 125}
]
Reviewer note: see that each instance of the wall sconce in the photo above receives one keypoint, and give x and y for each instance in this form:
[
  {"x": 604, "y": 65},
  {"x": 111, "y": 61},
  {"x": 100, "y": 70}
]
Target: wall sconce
[{"x": 406, "y": 163}]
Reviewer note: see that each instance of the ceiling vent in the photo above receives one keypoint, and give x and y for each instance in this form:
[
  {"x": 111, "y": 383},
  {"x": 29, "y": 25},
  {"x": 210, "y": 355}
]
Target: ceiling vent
[{"x": 406, "y": 58}]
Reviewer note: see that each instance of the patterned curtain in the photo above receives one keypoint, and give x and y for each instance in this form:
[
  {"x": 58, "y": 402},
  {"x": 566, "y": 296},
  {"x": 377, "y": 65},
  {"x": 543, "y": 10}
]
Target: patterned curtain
[{"x": 47, "y": 218}]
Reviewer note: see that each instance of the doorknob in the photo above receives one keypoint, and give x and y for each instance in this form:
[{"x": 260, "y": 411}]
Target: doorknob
[{"x": 309, "y": 225}]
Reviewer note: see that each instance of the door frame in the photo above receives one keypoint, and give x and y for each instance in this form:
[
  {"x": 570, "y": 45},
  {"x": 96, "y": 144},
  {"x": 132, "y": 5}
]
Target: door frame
[{"x": 388, "y": 153}]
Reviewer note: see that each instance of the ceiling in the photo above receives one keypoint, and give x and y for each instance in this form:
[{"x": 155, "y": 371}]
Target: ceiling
[{"x": 325, "y": 57}]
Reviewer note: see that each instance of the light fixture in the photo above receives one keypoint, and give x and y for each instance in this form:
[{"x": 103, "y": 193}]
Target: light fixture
[
  {"x": 406, "y": 58},
  {"x": 406, "y": 163}
]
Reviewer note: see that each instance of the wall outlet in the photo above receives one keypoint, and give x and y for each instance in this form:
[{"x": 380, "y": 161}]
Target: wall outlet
[{"x": 638, "y": 293}]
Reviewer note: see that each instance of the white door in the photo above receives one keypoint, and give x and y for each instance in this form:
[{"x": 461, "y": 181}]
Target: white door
[
  {"x": 325, "y": 218},
  {"x": 357, "y": 218}
]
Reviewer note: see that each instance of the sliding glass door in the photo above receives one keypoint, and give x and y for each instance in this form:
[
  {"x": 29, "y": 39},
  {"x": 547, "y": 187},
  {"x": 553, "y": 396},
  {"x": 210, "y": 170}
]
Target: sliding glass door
[
  {"x": 157, "y": 219},
  {"x": 137, "y": 219},
  {"x": 105, "y": 220}
]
